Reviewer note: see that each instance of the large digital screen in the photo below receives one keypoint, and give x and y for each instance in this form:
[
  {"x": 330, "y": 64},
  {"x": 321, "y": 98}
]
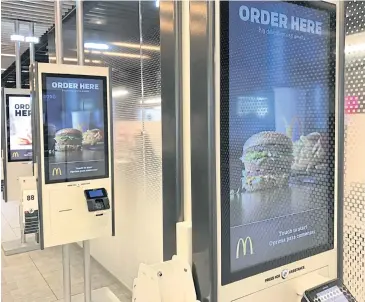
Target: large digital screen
[
  {"x": 19, "y": 127},
  {"x": 75, "y": 130},
  {"x": 277, "y": 134}
]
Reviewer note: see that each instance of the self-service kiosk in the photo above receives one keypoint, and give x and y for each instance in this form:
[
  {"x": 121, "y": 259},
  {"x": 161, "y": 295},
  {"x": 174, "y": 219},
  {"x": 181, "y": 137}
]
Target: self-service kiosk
[
  {"x": 74, "y": 153},
  {"x": 17, "y": 141},
  {"x": 74, "y": 162},
  {"x": 276, "y": 130}
]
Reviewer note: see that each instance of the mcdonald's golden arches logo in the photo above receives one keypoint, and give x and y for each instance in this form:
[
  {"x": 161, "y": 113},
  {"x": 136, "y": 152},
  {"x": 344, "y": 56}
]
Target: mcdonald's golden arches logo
[
  {"x": 56, "y": 171},
  {"x": 244, "y": 246},
  {"x": 15, "y": 154}
]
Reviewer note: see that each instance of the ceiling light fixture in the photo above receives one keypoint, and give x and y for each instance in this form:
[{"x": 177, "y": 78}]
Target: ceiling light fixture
[
  {"x": 34, "y": 40},
  {"x": 17, "y": 38},
  {"x": 157, "y": 3},
  {"x": 96, "y": 46},
  {"x": 125, "y": 55},
  {"x": 8, "y": 55},
  {"x": 137, "y": 46}
]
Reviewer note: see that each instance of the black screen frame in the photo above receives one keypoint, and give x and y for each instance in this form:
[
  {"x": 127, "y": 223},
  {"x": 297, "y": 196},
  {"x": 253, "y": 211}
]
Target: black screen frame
[
  {"x": 10, "y": 159},
  {"x": 227, "y": 276},
  {"x": 104, "y": 79}
]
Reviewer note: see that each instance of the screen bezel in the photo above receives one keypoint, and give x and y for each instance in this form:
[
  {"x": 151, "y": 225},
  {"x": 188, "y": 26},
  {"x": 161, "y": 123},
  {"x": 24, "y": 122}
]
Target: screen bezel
[
  {"x": 8, "y": 146},
  {"x": 228, "y": 277},
  {"x": 104, "y": 79}
]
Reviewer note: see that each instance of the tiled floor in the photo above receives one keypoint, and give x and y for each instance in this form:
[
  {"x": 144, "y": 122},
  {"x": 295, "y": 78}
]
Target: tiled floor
[
  {"x": 9, "y": 221},
  {"x": 37, "y": 276}
]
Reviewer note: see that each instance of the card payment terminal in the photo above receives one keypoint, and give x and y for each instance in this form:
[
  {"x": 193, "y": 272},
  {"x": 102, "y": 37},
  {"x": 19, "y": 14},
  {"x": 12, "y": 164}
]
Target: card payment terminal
[
  {"x": 97, "y": 199},
  {"x": 333, "y": 291}
]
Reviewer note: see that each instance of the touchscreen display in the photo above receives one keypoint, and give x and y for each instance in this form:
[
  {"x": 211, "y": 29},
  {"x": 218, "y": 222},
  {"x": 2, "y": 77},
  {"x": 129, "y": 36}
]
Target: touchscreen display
[
  {"x": 96, "y": 193},
  {"x": 75, "y": 127},
  {"x": 277, "y": 134},
  {"x": 19, "y": 127}
]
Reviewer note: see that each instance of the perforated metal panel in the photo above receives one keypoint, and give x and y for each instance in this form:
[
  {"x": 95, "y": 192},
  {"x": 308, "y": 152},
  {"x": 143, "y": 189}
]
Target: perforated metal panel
[{"x": 354, "y": 193}]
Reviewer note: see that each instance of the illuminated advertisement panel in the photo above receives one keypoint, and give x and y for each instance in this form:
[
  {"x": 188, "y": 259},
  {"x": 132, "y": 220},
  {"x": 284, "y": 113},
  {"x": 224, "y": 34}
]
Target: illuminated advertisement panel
[
  {"x": 277, "y": 134},
  {"x": 75, "y": 127},
  {"x": 19, "y": 127}
]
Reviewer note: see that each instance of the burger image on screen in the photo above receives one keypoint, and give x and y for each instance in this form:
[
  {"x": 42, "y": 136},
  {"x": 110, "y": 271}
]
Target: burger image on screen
[
  {"x": 267, "y": 158},
  {"x": 68, "y": 139}
]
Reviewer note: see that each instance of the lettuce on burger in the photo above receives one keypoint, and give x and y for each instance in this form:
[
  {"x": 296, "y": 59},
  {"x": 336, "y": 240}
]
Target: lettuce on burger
[
  {"x": 68, "y": 139},
  {"x": 267, "y": 157}
]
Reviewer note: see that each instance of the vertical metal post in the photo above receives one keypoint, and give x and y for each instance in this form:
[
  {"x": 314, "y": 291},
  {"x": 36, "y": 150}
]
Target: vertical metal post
[
  {"x": 59, "y": 60},
  {"x": 80, "y": 60},
  {"x": 87, "y": 271},
  {"x": 80, "y": 31},
  {"x": 341, "y": 28},
  {"x": 58, "y": 31},
  {"x": 66, "y": 273},
  {"x": 18, "y": 71},
  {"x": 31, "y": 44},
  {"x": 31, "y": 62}
]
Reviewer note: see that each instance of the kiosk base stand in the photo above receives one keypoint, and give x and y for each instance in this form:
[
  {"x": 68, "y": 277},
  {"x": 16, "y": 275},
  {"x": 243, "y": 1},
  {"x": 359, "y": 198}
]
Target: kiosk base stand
[
  {"x": 20, "y": 245},
  {"x": 103, "y": 294},
  {"x": 28, "y": 219},
  {"x": 16, "y": 247}
]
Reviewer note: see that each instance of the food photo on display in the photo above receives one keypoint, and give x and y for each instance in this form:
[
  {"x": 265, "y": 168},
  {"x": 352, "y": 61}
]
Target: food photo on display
[
  {"x": 19, "y": 127},
  {"x": 270, "y": 158},
  {"x": 75, "y": 143}
]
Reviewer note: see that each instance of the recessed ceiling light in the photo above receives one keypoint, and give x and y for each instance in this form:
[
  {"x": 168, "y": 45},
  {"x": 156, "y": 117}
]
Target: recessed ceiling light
[
  {"x": 137, "y": 46},
  {"x": 17, "y": 38},
  {"x": 34, "y": 40},
  {"x": 125, "y": 55},
  {"x": 100, "y": 46}
]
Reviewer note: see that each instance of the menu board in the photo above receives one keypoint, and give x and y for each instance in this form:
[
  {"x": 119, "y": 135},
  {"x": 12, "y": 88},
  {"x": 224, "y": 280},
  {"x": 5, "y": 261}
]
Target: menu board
[
  {"x": 75, "y": 131},
  {"x": 19, "y": 124},
  {"x": 277, "y": 134}
]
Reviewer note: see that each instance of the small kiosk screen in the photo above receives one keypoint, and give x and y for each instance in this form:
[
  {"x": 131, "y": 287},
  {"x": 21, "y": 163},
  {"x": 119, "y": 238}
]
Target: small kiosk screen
[
  {"x": 333, "y": 291},
  {"x": 19, "y": 127},
  {"x": 277, "y": 154},
  {"x": 75, "y": 130}
]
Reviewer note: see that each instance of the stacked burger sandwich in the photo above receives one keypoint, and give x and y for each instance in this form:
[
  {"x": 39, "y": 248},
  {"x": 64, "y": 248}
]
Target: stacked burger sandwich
[{"x": 267, "y": 158}]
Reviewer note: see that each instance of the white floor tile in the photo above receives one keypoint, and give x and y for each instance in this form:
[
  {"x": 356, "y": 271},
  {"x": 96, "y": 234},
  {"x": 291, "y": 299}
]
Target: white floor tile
[
  {"x": 7, "y": 233},
  {"x": 37, "y": 276},
  {"x": 10, "y": 210}
]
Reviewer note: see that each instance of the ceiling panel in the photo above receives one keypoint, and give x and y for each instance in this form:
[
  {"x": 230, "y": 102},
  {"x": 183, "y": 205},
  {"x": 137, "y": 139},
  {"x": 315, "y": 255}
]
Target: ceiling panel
[{"x": 41, "y": 13}]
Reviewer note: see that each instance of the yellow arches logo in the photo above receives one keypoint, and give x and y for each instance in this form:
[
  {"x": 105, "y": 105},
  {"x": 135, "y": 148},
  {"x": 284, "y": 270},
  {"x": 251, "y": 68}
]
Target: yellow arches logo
[
  {"x": 244, "y": 246},
  {"x": 15, "y": 154},
  {"x": 56, "y": 171}
]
